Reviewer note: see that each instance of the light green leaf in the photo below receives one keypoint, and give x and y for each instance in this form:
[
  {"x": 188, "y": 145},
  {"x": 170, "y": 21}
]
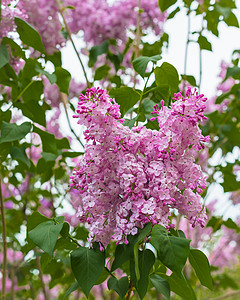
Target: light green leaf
[
  {"x": 72, "y": 288},
  {"x": 140, "y": 64}
]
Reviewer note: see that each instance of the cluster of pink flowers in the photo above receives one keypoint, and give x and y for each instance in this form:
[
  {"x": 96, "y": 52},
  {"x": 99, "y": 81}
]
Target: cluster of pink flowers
[
  {"x": 128, "y": 178},
  {"x": 100, "y": 20}
]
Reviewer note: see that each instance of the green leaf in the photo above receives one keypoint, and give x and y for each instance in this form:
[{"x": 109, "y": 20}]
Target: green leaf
[
  {"x": 33, "y": 110},
  {"x": 130, "y": 122},
  {"x": 72, "y": 154},
  {"x": 87, "y": 265},
  {"x": 11, "y": 132},
  {"x": 55, "y": 58},
  {"x": 118, "y": 285},
  {"x": 101, "y": 72},
  {"x": 122, "y": 254},
  {"x": 189, "y": 78},
  {"x": 95, "y": 51},
  {"x": 126, "y": 97},
  {"x": 5, "y": 116},
  {"x": 45, "y": 235},
  {"x": 215, "y": 223},
  {"x": 173, "y": 13},
  {"x": 231, "y": 225},
  {"x": 63, "y": 79},
  {"x": 180, "y": 286},
  {"x": 29, "y": 35},
  {"x": 167, "y": 75},
  {"x": 19, "y": 154},
  {"x": 35, "y": 219},
  {"x": 15, "y": 48},
  {"x": 200, "y": 263},
  {"x": 45, "y": 260},
  {"x": 146, "y": 261},
  {"x": 4, "y": 56},
  {"x": 172, "y": 251},
  {"x": 161, "y": 285},
  {"x": 140, "y": 64},
  {"x": 231, "y": 20},
  {"x": 51, "y": 77},
  {"x": 138, "y": 239},
  {"x": 63, "y": 143},
  {"x": 204, "y": 44},
  {"x": 48, "y": 140},
  {"x": 165, "y": 4},
  {"x": 72, "y": 288}
]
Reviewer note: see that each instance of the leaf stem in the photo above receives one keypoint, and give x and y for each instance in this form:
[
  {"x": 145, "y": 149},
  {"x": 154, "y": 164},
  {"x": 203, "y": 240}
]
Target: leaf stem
[
  {"x": 129, "y": 290},
  {"x": 4, "y": 237},
  {"x": 60, "y": 8},
  {"x": 111, "y": 273}
]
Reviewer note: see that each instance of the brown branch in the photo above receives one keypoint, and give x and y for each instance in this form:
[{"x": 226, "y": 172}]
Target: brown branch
[
  {"x": 4, "y": 237},
  {"x": 129, "y": 290}
]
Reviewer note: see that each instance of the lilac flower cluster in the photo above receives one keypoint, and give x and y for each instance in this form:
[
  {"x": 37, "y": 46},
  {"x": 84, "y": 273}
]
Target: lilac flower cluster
[
  {"x": 128, "y": 178},
  {"x": 99, "y": 20}
]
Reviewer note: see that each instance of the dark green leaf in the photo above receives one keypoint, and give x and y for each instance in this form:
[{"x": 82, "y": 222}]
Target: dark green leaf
[
  {"x": 5, "y": 116},
  {"x": 48, "y": 140},
  {"x": 15, "y": 48},
  {"x": 51, "y": 77},
  {"x": 167, "y": 75},
  {"x": 122, "y": 254},
  {"x": 87, "y": 265},
  {"x": 55, "y": 58},
  {"x": 180, "y": 286},
  {"x": 146, "y": 261},
  {"x": 29, "y": 35},
  {"x": 200, "y": 263},
  {"x": 35, "y": 219},
  {"x": 204, "y": 44},
  {"x": 172, "y": 251},
  {"x": 45, "y": 235},
  {"x": 161, "y": 285},
  {"x": 165, "y": 4},
  {"x": 19, "y": 154},
  {"x": 101, "y": 72},
  {"x": 140, "y": 64},
  {"x": 4, "y": 56},
  {"x": 45, "y": 260},
  {"x": 63, "y": 79},
  {"x": 119, "y": 285},
  {"x": 126, "y": 97},
  {"x": 12, "y": 132},
  {"x": 95, "y": 51},
  {"x": 71, "y": 154},
  {"x": 34, "y": 111},
  {"x": 63, "y": 143},
  {"x": 215, "y": 223}
]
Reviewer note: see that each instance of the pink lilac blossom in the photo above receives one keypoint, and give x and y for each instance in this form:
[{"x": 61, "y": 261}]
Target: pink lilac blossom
[
  {"x": 99, "y": 20},
  {"x": 128, "y": 178},
  {"x": 8, "y": 13}
]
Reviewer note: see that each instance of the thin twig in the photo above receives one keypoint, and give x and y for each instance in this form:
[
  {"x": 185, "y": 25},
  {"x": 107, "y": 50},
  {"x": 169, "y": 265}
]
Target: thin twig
[
  {"x": 41, "y": 279},
  {"x": 129, "y": 290},
  {"x": 60, "y": 8},
  {"x": 4, "y": 237},
  {"x": 186, "y": 49},
  {"x": 68, "y": 120}
]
